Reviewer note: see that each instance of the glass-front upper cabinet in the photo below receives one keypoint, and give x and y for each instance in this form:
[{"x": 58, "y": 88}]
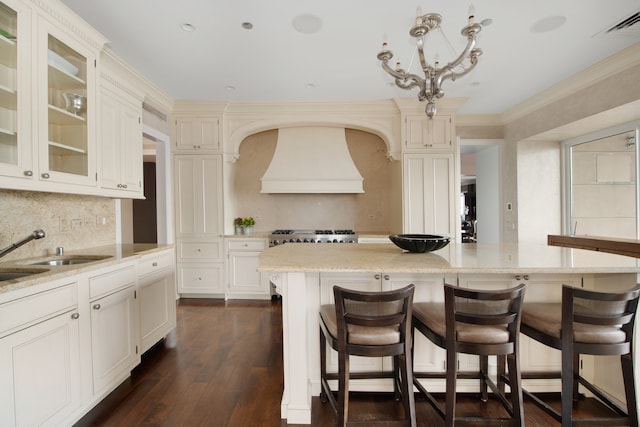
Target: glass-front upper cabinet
[
  {"x": 67, "y": 124},
  {"x": 15, "y": 91}
]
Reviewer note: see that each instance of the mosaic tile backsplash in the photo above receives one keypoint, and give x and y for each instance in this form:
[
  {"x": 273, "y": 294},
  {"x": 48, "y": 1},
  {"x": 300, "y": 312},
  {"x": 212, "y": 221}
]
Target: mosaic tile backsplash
[{"x": 71, "y": 221}]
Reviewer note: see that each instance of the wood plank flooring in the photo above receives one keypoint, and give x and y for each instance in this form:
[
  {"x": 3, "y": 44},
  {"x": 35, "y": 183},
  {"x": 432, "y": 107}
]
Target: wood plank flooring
[{"x": 223, "y": 367}]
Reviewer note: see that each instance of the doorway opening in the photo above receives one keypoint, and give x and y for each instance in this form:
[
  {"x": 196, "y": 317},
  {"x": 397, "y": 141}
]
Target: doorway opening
[{"x": 480, "y": 190}]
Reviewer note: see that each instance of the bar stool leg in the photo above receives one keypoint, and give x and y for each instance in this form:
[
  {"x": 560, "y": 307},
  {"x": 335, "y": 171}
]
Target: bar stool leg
[
  {"x": 450, "y": 398},
  {"x": 343, "y": 389},
  {"x": 515, "y": 379},
  {"x": 568, "y": 378},
  {"x": 484, "y": 370},
  {"x": 629, "y": 387}
]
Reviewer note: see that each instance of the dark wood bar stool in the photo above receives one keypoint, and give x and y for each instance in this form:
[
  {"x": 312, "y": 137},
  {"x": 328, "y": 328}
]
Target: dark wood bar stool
[
  {"x": 475, "y": 322},
  {"x": 586, "y": 322},
  {"x": 373, "y": 324}
]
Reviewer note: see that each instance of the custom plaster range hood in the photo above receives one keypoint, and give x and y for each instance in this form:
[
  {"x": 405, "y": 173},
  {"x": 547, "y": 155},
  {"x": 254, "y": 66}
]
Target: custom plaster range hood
[{"x": 312, "y": 160}]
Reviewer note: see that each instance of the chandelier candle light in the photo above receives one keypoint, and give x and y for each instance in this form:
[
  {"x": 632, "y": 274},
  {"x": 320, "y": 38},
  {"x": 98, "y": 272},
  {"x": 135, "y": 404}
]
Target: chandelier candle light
[{"x": 431, "y": 85}]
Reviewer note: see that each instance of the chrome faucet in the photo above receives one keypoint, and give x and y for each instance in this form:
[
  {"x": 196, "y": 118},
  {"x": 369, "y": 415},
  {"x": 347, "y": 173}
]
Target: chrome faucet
[{"x": 37, "y": 234}]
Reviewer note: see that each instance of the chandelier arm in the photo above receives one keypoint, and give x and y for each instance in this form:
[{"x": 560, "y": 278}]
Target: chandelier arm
[
  {"x": 423, "y": 61},
  {"x": 471, "y": 42},
  {"x": 453, "y": 76},
  {"x": 402, "y": 76}
]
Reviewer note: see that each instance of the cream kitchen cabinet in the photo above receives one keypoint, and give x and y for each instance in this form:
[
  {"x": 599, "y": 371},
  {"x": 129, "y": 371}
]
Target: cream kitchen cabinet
[
  {"x": 156, "y": 297},
  {"x": 16, "y": 146},
  {"x": 200, "y": 268},
  {"x": 428, "y": 189},
  {"x": 114, "y": 327},
  {"x": 198, "y": 195},
  {"x": 200, "y": 133},
  {"x": 40, "y": 357},
  {"x": 67, "y": 107},
  {"x": 120, "y": 142},
  {"x": 199, "y": 242},
  {"x": 244, "y": 281},
  {"x": 422, "y": 133}
]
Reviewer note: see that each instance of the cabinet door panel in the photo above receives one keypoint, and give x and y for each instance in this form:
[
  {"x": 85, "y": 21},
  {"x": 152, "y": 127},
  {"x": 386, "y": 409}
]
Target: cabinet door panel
[
  {"x": 200, "y": 278},
  {"x": 428, "y": 189},
  {"x": 156, "y": 294},
  {"x": 113, "y": 338},
  {"x": 40, "y": 370}
]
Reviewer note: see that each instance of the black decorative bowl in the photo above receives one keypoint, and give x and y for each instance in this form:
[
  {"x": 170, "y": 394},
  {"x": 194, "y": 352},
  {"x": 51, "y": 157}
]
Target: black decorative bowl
[{"x": 419, "y": 242}]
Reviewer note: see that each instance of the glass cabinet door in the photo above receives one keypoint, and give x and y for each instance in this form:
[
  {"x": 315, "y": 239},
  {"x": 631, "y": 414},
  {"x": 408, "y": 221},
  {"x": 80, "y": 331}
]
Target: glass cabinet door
[
  {"x": 15, "y": 141},
  {"x": 67, "y": 153}
]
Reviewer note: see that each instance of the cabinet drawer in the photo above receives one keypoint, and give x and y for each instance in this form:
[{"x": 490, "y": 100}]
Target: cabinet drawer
[
  {"x": 200, "y": 278},
  {"x": 35, "y": 308},
  {"x": 247, "y": 244},
  {"x": 151, "y": 264},
  {"x": 199, "y": 251},
  {"x": 107, "y": 283}
]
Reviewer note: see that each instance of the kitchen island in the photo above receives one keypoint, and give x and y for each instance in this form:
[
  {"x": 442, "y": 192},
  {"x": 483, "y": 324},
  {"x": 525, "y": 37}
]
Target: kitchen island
[{"x": 304, "y": 274}]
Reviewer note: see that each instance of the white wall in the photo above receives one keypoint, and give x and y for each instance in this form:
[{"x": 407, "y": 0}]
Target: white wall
[
  {"x": 488, "y": 194},
  {"x": 539, "y": 190}
]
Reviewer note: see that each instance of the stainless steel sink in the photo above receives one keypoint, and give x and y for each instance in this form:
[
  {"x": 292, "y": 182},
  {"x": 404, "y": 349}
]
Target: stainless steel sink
[
  {"x": 71, "y": 260},
  {"x": 16, "y": 273}
]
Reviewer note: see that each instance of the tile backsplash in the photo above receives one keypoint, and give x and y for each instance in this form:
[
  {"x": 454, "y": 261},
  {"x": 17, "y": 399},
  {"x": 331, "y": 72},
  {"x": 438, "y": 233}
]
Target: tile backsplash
[{"x": 71, "y": 221}]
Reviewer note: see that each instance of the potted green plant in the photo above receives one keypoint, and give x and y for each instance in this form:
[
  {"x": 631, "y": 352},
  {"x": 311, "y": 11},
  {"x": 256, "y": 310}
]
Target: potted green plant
[
  {"x": 237, "y": 223},
  {"x": 247, "y": 225}
]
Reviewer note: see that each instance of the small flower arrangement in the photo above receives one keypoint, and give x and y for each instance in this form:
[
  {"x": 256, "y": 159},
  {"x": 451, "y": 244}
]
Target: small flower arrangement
[
  {"x": 237, "y": 222},
  {"x": 248, "y": 221}
]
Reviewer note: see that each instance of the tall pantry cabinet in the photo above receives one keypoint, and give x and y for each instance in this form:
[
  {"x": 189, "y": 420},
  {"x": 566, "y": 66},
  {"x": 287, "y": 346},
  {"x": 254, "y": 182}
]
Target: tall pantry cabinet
[
  {"x": 199, "y": 210},
  {"x": 429, "y": 173}
]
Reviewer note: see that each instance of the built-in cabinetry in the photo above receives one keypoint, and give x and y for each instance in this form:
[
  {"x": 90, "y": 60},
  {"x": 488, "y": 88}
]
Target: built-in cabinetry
[
  {"x": 60, "y": 132},
  {"x": 422, "y": 133},
  {"x": 40, "y": 357},
  {"x": 199, "y": 133},
  {"x": 114, "y": 332},
  {"x": 428, "y": 190},
  {"x": 120, "y": 141},
  {"x": 67, "y": 343},
  {"x": 199, "y": 242},
  {"x": 156, "y": 297},
  {"x": 244, "y": 281},
  {"x": 429, "y": 174}
]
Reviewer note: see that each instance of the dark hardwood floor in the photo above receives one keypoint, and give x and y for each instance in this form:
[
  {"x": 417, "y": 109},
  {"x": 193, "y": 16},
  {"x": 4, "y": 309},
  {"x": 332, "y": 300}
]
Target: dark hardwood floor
[{"x": 223, "y": 367}]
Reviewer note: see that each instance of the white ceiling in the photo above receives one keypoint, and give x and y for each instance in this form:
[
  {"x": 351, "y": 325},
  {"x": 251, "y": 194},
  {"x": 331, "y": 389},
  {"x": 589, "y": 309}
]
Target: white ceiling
[{"x": 274, "y": 62}]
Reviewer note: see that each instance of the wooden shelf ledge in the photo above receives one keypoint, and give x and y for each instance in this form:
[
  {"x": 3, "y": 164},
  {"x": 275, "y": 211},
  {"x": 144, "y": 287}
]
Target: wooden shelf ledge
[{"x": 628, "y": 247}]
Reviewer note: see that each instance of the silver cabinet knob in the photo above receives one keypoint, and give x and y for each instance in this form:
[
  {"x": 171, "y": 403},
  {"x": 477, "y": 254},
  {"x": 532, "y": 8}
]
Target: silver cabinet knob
[
  {"x": 45, "y": 175},
  {"x": 155, "y": 264},
  {"x": 96, "y": 306},
  {"x": 28, "y": 173},
  {"x": 74, "y": 316},
  {"x": 377, "y": 277},
  {"x": 386, "y": 277}
]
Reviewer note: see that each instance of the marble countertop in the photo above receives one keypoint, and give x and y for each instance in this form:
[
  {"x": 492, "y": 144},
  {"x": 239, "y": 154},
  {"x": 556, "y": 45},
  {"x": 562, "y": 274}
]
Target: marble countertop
[
  {"x": 454, "y": 258},
  {"x": 113, "y": 254}
]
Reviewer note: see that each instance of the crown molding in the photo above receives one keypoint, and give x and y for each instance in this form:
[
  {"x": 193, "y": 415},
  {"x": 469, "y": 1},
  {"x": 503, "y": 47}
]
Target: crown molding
[
  {"x": 608, "y": 67},
  {"x": 60, "y": 13},
  {"x": 479, "y": 120}
]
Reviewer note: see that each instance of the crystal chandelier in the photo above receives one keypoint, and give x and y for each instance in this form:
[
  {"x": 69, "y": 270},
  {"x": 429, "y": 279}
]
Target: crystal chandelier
[{"x": 431, "y": 85}]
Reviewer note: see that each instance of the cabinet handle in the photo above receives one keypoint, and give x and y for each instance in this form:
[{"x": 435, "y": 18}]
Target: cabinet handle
[
  {"x": 96, "y": 306},
  {"x": 74, "y": 316},
  {"x": 377, "y": 277},
  {"x": 525, "y": 277},
  {"x": 155, "y": 264},
  {"x": 246, "y": 245},
  {"x": 428, "y": 145},
  {"x": 124, "y": 185},
  {"x": 199, "y": 250},
  {"x": 28, "y": 173},
  {"x": 386, "y": 277},
  {"x": 199, "y": 278},
  {"x": 45, "y": 175}
]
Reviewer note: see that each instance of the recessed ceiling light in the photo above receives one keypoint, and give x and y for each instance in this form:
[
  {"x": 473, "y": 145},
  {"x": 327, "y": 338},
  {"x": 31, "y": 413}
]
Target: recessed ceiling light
[
  {"x": 307, "y": 24},
  {"x": 311, "y": 86},
  {"x": 230, "y": 88},
  {"x": 549, "y": 23},
  {"x": 188, "y": 27},
  {"x": 247, "y": 25},
  {"x": 486, "y": 22}
]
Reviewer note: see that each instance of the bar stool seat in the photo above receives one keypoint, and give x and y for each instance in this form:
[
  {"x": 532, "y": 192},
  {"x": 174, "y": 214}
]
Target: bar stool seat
[
  {"x": 585, "y": 322},
  {"x": 479, "y": 322},
  {"x": 371, "y": 324}
]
